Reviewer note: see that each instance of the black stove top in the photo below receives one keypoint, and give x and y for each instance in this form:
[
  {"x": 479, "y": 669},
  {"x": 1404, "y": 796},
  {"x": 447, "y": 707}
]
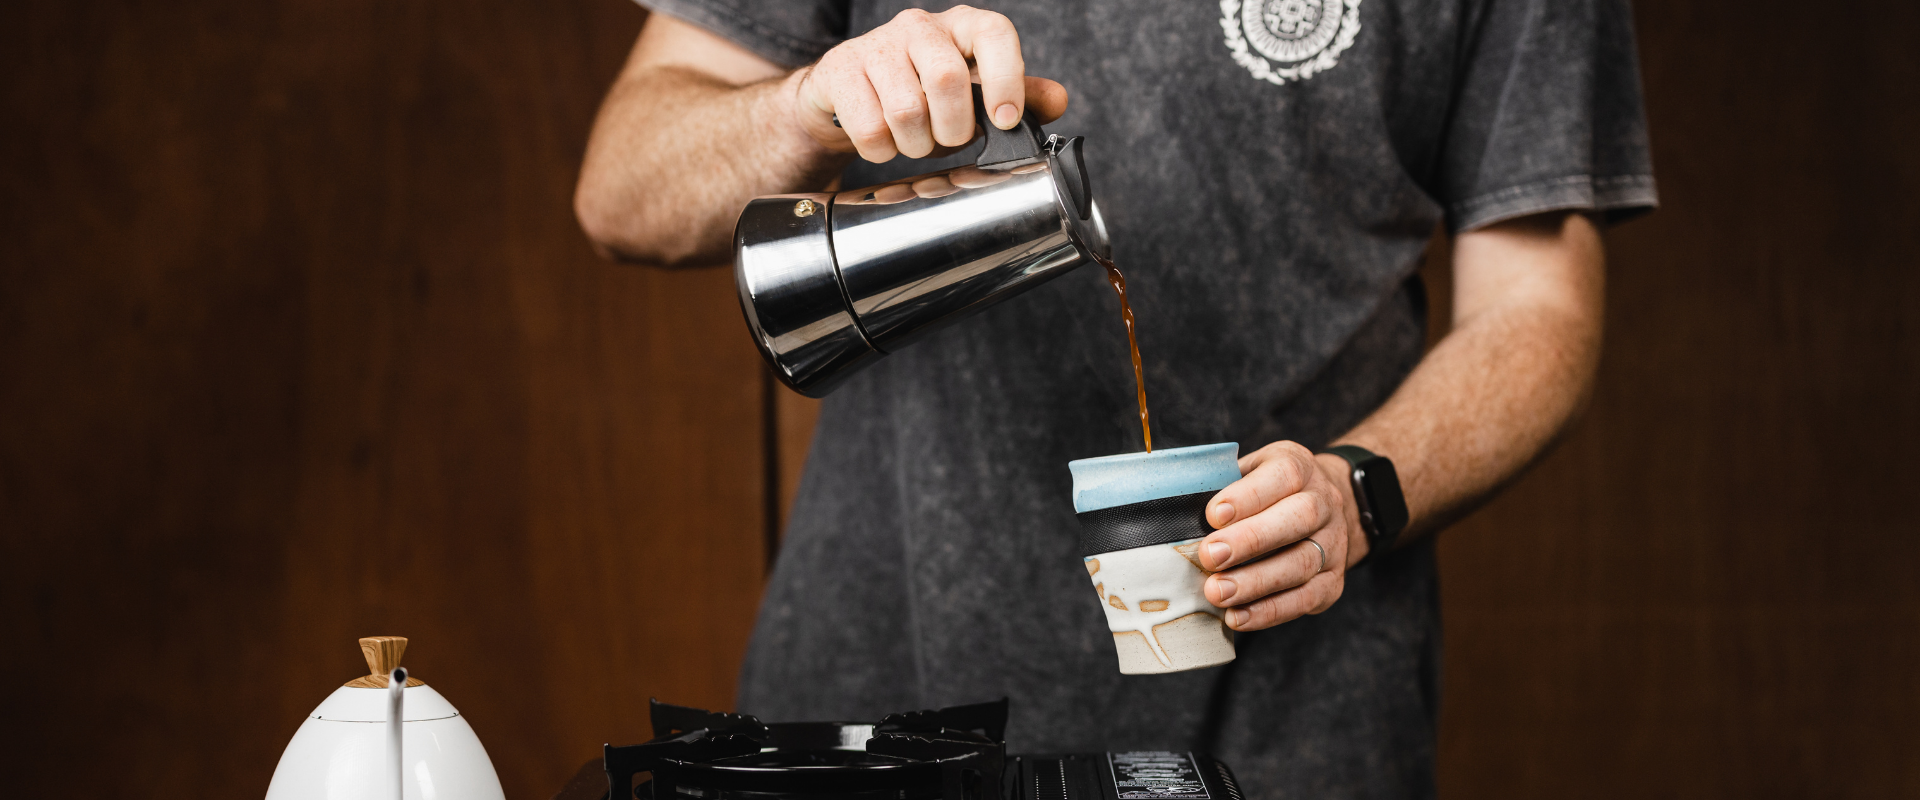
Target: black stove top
[{"x": 956, "y": 753}]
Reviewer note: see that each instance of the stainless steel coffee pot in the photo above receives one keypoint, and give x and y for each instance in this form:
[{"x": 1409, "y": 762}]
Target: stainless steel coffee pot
[{"x": 831, "y": 282}]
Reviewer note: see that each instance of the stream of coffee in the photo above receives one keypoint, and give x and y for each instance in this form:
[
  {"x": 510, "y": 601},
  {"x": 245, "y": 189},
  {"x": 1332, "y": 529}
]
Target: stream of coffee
[{"x": 1119, "y": 284}]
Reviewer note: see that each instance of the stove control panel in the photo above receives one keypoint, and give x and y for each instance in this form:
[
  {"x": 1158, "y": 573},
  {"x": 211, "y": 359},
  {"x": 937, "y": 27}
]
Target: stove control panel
[{"x": 1134, "y": 775}]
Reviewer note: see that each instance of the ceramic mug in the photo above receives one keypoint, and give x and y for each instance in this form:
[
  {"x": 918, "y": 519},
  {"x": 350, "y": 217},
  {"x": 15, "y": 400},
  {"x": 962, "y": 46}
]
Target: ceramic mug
[{"x": 1142, "y": 516}]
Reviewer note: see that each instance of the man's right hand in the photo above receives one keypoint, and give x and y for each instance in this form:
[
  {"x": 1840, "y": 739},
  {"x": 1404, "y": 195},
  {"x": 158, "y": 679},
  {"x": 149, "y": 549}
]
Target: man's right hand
[
  {"x": 697, "y": 125},
  {"x": 905, "y": 87}
]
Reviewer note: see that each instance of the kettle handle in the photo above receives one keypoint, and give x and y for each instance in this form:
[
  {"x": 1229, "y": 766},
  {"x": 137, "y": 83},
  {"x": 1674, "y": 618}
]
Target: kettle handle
[{"x": 1025, "y": 143}]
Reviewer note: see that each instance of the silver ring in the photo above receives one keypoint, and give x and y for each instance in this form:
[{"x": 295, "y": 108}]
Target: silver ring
[{"x": 1323, "y": 555}]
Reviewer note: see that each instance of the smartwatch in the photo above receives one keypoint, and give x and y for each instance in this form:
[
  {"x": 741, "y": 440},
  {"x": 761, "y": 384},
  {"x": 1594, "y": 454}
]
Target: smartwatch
[{"x": 1376, "y": 489}]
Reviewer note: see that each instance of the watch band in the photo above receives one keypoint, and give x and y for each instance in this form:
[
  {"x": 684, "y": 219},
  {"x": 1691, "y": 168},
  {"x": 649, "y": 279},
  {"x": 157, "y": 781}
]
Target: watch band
[{"x": 1376, "y": 490}]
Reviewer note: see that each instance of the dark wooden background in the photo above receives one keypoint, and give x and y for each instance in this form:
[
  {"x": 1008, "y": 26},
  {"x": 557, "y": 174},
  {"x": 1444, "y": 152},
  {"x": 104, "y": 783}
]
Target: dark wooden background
[
  {"x": 299, "y": 342},
  {"x": 1713, "y": 588}
]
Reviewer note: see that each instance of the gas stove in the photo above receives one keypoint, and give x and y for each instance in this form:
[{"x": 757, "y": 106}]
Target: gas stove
[{"x": 956, "y": 753}]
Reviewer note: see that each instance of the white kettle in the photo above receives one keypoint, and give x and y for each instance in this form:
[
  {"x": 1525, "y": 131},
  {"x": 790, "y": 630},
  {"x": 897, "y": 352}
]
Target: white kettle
[{"x": 345, "y": 749}]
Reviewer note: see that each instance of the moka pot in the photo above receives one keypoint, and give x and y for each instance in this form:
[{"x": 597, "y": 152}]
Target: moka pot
[{"x": 831, "y": 282}]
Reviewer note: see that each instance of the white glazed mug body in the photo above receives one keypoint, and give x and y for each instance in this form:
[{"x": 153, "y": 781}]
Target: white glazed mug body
[
  {"x": 1153, "y": 596},
  {"x": 1156, "y": 606}
]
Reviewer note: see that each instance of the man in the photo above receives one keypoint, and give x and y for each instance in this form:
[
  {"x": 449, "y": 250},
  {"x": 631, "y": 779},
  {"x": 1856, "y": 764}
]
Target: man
[{"x": 1270, "y": 171}]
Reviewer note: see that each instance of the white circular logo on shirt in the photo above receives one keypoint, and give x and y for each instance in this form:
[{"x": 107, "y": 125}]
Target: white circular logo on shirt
[{"x": 1283, "y": 40}]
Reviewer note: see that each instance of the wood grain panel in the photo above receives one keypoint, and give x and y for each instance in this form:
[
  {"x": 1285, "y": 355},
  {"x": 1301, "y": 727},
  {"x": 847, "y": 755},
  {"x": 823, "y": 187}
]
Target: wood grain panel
[
  {"x": 1708, "y": 591},
  {"x": 301, "y": 343},
  {"x": 796, "y": 417}
]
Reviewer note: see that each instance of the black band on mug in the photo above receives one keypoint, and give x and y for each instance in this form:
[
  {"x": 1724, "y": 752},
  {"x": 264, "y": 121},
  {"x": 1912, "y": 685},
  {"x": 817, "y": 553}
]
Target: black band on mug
[{"x": 1168, "y": 519}]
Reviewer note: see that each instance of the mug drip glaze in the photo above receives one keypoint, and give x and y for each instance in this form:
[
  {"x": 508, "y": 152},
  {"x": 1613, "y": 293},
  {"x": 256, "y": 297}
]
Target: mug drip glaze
[{"x": 1142, "y": 516}]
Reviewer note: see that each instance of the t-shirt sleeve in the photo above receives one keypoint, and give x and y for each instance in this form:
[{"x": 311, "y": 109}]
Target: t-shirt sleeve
[
  {"x": 787, "y": 32},
  {"x": 1547, "y": 116}
]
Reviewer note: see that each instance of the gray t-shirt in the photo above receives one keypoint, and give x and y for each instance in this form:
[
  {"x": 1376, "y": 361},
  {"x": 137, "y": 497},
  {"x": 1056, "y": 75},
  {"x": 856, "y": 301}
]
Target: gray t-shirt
[{"x": 1269, "y": 171}]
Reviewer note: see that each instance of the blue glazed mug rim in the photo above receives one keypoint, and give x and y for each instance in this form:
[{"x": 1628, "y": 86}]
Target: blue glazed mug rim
[{"x": 1116, "y": 480}]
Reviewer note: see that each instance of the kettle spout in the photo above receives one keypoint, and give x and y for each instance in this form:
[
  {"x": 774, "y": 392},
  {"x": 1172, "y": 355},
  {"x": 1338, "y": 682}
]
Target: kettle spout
[{"x": 396, "y": 718}]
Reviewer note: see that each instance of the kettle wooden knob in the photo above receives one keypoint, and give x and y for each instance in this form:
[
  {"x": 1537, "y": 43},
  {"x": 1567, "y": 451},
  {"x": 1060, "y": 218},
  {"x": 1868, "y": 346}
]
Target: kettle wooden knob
[{"x": 383, "y": 655}]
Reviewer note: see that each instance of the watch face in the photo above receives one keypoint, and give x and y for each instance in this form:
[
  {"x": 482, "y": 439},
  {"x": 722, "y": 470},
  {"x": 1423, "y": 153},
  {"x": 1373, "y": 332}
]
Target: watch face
[{"x": 1382, "y": 487}]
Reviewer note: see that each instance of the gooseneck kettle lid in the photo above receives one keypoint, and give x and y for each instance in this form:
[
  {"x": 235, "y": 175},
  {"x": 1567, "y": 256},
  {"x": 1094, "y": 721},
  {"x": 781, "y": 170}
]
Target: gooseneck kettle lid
[{"x": 382, "y": 654}]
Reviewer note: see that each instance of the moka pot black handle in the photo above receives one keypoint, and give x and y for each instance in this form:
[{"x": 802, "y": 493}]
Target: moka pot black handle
[{"x": 1024, "y": 143}]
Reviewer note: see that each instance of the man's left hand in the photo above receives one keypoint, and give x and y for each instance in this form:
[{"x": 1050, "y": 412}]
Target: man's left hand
[{"x": 1273, "y": 525}]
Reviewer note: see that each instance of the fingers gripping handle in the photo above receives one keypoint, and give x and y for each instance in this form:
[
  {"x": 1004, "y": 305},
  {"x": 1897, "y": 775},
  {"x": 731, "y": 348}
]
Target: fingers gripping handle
[{"x": 1024, "y": 144}]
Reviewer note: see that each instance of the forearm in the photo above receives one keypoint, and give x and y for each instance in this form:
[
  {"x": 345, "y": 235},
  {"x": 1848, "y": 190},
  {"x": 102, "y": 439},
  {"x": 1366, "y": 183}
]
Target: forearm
[
  {"x": 1487, "y": 400},
  {"x": 1506, "y": 381},
  {"x": 697, "y": 125},
  {"x": 676, "y": 154}
]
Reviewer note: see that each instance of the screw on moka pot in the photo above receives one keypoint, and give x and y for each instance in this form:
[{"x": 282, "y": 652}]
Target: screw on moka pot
[{"x": 830, "y": 282}]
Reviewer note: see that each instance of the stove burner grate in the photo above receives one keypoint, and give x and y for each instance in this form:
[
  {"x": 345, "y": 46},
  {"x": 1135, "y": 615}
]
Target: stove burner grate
[{"x": 956, "y": 753}]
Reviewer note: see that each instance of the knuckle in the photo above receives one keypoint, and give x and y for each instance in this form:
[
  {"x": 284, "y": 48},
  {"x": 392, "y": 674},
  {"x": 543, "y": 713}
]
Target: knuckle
[
  {"x": 1244, "y": 539},
  {"x": 913, "y": 16},
  {"x": 869, "y": 133},
  {"x": 996, "y": 36},
  {"x": 1286, "y": 473},
  {"x": 1296, "y": 449},
  {"x": 946, "y": 80},
  {"x": 1263, "y": 534},
  {"x": 907, "y": 115},
  {"x": 1300, "y": 463},
  {"x": 1322, "y": 506},
  {"x": 834, "y": 63},
  {"x": 1296, "y": 514},
  {"x": 1261, "y": 579},
  {"x": 1305, "y": 562},
  {"x": 1329, "y": 594},
  {"x": 1303, "y": 471},
  {"x": 993, "y": 22},
  {"x": 1245, "y": 500},
  {"x": 1272, "y": 484},
  {"x": 1272, "y": 611},
  {"x": 1304, "y": 512}
]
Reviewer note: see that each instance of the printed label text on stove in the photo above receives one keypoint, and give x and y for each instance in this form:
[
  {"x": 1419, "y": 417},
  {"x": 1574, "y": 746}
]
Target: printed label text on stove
[{"x": 1144, "y": 775}]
